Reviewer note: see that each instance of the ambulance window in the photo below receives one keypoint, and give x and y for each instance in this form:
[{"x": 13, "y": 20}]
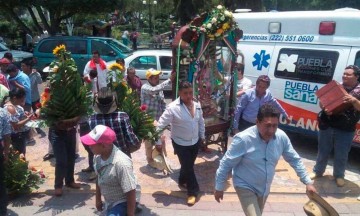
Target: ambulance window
[
  {"x": 357, "y": 59},
  {"x": 306, "y": 65}
]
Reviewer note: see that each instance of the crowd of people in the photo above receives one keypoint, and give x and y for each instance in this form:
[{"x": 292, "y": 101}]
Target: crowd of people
[{"x": 109, "y": 139}]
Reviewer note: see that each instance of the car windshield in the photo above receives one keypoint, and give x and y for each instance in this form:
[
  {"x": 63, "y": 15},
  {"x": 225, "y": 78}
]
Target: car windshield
[
  {"x": 120, "y": 46},
  {"x": 3, "y": 48}
]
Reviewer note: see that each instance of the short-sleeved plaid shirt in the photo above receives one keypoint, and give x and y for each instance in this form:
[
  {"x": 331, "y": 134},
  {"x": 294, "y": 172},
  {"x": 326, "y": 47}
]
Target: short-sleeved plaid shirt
[
  {"x": 115, "y": 177},
  {"x": 120, "y": 123},
  {"x": 153, "y": 98}
]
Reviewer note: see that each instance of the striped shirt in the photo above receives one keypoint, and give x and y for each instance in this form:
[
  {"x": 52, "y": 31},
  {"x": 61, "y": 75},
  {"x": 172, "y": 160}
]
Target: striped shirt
[
  {"x": 153, "y": 98},
  {"x": 115, "y": 177},
  {"x": 120, "y": 123}
]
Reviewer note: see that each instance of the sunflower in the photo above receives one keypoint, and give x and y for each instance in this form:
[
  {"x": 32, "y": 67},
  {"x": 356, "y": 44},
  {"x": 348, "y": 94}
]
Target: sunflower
[
  {"x": 58, "y": 49},
  {"x": 116, "y": 66}
]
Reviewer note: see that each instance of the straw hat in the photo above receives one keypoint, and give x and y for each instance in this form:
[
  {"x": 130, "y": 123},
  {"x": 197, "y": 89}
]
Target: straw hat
[
  {"x": 160, "y": 162},
  {"x": 105, "y": 102},
  {"x": 317, "y": 206}
]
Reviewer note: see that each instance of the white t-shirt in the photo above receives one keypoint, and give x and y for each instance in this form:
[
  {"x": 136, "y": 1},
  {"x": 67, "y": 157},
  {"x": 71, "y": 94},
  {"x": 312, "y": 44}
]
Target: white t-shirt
[
  {"x": 244, "y": 84},
  {"x": 101, "y": 74}
]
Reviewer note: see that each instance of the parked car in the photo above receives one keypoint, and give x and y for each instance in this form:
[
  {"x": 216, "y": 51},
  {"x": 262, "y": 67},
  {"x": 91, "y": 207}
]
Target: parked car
[
  {"x": 142, "y": 60},
  {"x": 81, "y": 49},
  {"x": 18, "y": 56}
]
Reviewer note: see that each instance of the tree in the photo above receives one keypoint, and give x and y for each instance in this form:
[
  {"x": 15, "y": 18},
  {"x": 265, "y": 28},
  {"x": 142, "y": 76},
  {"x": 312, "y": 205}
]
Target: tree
[{"x": 52, "y": 12}]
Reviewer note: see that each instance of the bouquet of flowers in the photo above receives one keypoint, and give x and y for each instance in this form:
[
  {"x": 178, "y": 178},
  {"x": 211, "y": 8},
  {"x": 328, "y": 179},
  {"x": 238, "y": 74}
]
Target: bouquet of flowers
[
  {"x": 219, "y": 21},
  {"x": 117, "y": 82},
  {"x": 66, "y": 97},
  {"x": 128, "y": 101},
  {"x": 19, "y": 177}
]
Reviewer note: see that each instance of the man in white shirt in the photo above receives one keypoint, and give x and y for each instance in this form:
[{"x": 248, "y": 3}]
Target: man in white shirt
[
  {"x": 187, "y": 133},
  {"x": 99, "y": 65}
]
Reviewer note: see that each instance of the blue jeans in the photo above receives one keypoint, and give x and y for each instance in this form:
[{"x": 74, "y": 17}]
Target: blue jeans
[
  {"x": 340, "y": 141},
  {"x": 118, "y": 210},
  {"x": 64, "y": 145}
]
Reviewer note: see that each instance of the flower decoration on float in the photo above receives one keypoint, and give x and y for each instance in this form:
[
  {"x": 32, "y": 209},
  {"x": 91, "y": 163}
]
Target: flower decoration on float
[{"x": 219, "y": 21}]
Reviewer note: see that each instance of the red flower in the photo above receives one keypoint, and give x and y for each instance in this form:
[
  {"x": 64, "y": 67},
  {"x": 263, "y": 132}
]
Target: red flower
[
  {"x": 143, "y": 107},
  {"x": 38, "y": 105},
  {"x": 87, "y": 79},
  {"x": 41, "y": 173},
  {"x": 47, "y": 90}
]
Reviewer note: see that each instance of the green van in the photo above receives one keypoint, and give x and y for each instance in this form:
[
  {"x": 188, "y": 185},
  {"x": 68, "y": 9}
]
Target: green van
[{"x": 81, "y": 49}]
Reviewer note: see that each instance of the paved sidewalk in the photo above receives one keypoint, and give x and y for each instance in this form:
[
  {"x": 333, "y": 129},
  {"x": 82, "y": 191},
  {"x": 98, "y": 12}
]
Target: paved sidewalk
[{"x": 162, "y": 196}]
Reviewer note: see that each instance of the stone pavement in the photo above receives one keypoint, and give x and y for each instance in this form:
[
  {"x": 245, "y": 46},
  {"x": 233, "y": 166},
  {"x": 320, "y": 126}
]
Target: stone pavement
[{"x": 162, "y": 196}]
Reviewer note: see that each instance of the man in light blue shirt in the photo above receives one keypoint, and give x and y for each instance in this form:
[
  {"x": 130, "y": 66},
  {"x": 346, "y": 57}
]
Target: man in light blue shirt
[
  {"x": 252, "y": 158},
  {"x": 18, "y": 79},
  {"x": 187, "y": 133},
  {"x": 250, "y": 102}
]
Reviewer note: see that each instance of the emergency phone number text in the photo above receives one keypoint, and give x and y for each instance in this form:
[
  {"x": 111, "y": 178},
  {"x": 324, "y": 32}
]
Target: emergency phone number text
[
  {"x": 280, "y": 38},
  {"x": 290, "y": 38}
]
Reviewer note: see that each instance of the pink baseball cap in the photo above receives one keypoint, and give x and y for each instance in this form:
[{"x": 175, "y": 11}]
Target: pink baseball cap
[{"x": 100, "y": 134}]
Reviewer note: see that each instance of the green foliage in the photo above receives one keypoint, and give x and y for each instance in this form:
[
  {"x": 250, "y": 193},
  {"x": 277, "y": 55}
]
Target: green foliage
[
  {"x": 19, "y": 179},
  {"x": 129, "y": 102},
  {"x": 141, "y": 121},
  {"x": 68, "y": 96}
]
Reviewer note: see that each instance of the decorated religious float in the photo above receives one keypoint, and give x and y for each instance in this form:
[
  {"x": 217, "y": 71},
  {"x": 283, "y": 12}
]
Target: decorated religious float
[{"x": 205, "y": 53}]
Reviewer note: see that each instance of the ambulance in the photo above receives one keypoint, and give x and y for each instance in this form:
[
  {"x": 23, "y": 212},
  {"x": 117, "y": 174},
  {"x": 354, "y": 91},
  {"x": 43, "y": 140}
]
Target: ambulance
[{"x": 300, "y": 51}]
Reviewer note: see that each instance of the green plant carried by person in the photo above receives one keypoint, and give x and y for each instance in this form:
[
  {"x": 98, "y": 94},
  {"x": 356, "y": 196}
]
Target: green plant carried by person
[
  {"x": 67, "y": 97},
  {"x": 128, "y": 101},
  {"x": 19, "y": 178}
]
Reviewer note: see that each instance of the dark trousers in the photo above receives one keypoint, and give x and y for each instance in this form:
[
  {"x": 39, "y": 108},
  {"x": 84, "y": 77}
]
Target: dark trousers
[
  {"x": 18, "y": 141},
  {"x": 3, "y": 195},
  {"x": 85, "y": 129},
  {"x": 187, "y": 156},
  {"x": 64, "y": 145},
  {"x": 243, "y": 124}
]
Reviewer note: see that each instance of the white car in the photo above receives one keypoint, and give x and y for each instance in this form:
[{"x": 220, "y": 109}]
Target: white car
[{"x": 142, "y": 60}]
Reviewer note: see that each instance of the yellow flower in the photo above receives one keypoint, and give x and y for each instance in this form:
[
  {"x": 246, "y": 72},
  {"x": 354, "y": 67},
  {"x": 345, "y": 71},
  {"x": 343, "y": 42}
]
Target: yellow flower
[
  {"x": 124, "y": 83},
  {"x": 225, "y": 26},
  {"x": 58, "y": 49},
  {"x": 116, "y": 66}
]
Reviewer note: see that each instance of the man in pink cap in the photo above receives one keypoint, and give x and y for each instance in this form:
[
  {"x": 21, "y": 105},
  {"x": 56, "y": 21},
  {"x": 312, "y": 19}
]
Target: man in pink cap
[{"x": 116, "y": 179}]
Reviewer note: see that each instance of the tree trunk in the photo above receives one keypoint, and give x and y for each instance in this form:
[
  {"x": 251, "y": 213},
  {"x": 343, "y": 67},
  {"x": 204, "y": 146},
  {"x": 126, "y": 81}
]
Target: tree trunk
[
  {"x": 43, "y": 19},
  {"x": 36, "y": 23},
  {"x": 14, "y": 16}
]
